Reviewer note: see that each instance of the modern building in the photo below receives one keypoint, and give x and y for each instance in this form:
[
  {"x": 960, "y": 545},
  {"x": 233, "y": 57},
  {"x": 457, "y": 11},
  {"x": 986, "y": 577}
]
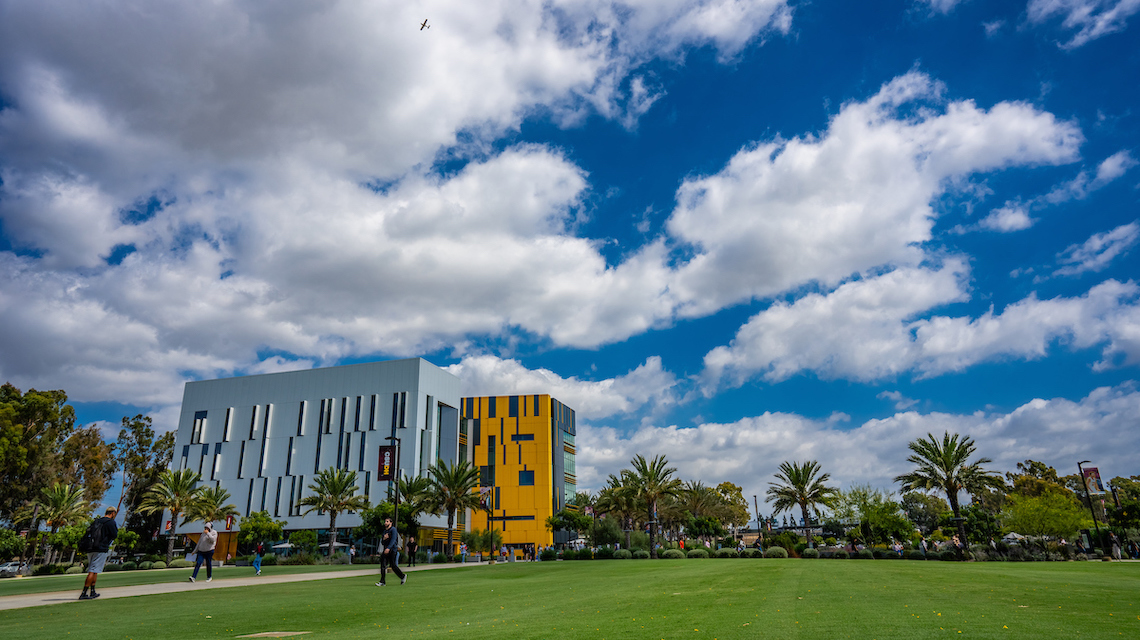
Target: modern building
[
  {"x": 524, "y": 448},
  {"x": 264, "y": 437}
]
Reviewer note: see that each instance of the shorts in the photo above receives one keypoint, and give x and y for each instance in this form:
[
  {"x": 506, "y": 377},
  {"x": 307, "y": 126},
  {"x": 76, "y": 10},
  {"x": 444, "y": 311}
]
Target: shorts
[{"x": 96, "y": 560}]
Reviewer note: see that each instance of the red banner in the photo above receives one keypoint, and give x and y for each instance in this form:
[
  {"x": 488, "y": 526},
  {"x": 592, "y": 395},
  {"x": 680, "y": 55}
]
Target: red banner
[
  {"x": 229, "y": 522},
  {"x": 388, "y": 463}
]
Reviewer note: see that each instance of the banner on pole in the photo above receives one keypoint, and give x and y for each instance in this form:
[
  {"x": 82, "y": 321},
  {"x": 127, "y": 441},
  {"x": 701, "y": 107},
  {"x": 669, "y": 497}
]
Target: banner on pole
[
  {"x": 387, "y": 465},
  {"x": 1092, "y": 481}
]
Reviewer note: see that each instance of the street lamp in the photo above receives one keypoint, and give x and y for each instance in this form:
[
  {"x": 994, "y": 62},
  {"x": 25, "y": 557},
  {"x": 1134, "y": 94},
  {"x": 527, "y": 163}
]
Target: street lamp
[
  {"x": 756, "y": 503},
  {"x": 396, "y": 509},
  {"x": 1088, "y": 497}
]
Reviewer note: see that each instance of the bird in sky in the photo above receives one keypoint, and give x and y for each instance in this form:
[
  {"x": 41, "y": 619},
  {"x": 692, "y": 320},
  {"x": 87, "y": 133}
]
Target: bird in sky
[{"x": 425, "y": 25}]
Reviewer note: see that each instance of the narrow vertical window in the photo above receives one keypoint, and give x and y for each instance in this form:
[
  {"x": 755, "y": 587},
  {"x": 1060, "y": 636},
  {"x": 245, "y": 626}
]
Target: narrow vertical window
[
  {"x": 395, "y": 411},
  {"x": 403, "y": 409},
  {"x": 301, "y": 419},
  {"x": 253, "y": 423},
  {"x": 249, "y": 498},
  {"x": 356, "y": 424},
  {"x": 289, "y": 459},
  {"x": 292, "y": 490},
  {"x": 241, "y": 460},
  {"x": 229, "y": 423},
  {"x": 264, "y": 490},
  {"x": 198, "y": 428},
  {"x": 347, "y": 449},
  {"x": 317, "y": 460},
  {"x": 372, "y": 415},
  {"x": 367, "y": 482},
  {"x": 321, "y": 418},
  {"x": 363, "y": 439},
  {"x": 265, "y": 423},
  {"x": 217, "y": 460},
  {"x": 277, "y": 500}
]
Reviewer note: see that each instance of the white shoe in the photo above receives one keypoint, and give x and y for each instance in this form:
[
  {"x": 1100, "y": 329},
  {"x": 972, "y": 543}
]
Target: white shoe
[
  {"x": 259, "y": 572},
  {"x": 209, "y": 579},
  {"x": 380, "y": 584},
  {"x": 191, "y": 578},
  {"x": 403, "y": 580}
]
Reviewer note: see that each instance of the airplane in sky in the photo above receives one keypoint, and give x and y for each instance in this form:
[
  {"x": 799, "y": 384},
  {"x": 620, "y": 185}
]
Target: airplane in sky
[{"x": 425, "y": 25}]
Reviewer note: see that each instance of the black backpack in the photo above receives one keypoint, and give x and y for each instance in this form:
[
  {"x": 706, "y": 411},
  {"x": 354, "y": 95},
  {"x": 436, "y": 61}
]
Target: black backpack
[{"x": 94, "y": 538}]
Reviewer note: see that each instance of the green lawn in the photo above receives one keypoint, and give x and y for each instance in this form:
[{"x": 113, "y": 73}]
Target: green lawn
[
  {"x": 642, "y": 599},
  {"x": 47, "y": 584}
]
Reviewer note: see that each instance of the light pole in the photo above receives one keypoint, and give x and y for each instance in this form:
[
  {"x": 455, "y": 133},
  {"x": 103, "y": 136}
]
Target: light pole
[
  {"x": 756, "y": 503},
  {"x": 1088, "y": 497},
  {"x": 396, "y": 510}
]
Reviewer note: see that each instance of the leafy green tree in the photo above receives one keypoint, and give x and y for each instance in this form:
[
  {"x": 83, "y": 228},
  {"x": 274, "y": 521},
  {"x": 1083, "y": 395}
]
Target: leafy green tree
[
  {"x": 259, "y": 526},
  {"x": 605, "y": 531},
  {"x": 334, "y": 490},
  {"x": 61, "y": 505},
  {"x": 981, "y": 525},
  {"x": 126, "y": 541},
  {"x": 454, "y": 487},
  {"x": 801, "y": 484},
  {"x": 304, "y": 541},
  {"x": 924, "y": 510},
  {"x": 1127, "y": 489},
  {"x": 735, "y": 505},
  {"x": 143, "y": 458},
  {"x": 68, "y": 538},
  {"x": 1049, "y": 514},
  {"x": 211, "y": 506},
  {"x": 176, "y": 492},
  {"x": 651, "y": 482},
  {"x": 880, "y": 519},
  {"x": 89, "y": 463},
  {"x": 416, "y": 494},
  {"x": 1126, "y": 516},
  {"x": 704, "y": 527},
  {"x": 11, "y": 544},
  {"x": 620, "y": 500},
  {"x": 372, "y": 521},
  {"x": 33, "y": 427},
  {"x": 945, "y": 466},
  {"x": 569, "y": 520}
]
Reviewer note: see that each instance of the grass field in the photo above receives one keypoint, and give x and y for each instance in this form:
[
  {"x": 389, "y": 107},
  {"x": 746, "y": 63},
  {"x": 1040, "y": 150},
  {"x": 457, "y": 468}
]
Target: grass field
[{"x": 720, "y": 599}]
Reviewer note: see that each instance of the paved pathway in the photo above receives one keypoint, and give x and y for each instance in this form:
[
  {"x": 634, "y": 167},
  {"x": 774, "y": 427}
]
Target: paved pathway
[{"x": 57, "y": 597}]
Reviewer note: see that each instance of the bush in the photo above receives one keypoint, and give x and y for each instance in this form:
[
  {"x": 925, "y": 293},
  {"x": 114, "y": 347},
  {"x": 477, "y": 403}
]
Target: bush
[
  {"x": 752, "y": 553},
  {"x": 339, "y": 558},
  {"x": 158, "y": 564},
  {"x": 181, "y": 564},
  {"x": 438, "y": 558},
  {"x": 840, "y": 554},
  {"x": 776, "y": 552},
  {"x": 269, "y": 559},
  {"x": 877, "y": 554},
  {"x": 50, "y": 569},
  {"x": 108, "y": 568},
  {"x": 154, "y": 557},
  {"x": 641, "y": 554},
  {"x": 623, "y": 554},
  {"x": 914, "y": 554},
  {"x": 726, "y": 553},
  {"x": 548, "y": 555},
  {"x": 810, "y": 553},
  {"x": 74, "y": 570},
  {"x": 697, "y": 553},
  {"x": 799, "y": 548},
  {"x": 129, "y": 566},
  {"x": 296, "y": 558},
  {"x": 145, "y": 564},
  {"x": 831, "y": 542},
  {"x": 605, "y": 553},
  {"x": 673, "y": 554}
]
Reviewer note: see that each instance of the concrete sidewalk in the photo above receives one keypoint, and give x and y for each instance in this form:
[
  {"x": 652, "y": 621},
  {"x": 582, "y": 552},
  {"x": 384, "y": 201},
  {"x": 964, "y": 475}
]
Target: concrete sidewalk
[{"x": 58, "y": 597}]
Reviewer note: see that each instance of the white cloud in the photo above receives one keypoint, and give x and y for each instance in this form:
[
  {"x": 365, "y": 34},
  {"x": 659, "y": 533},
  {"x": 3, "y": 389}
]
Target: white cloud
[
  {"x": 748, "y": 452},
  {"x": 784, "y": 213},
  {"x": 1081, "y": 186},
  {"x": 902, "y": 403},
  {"x": 1091, "y": 19},
  {"x": 648, "y": 384},
  {"x": 871, "y": 330},
  {"x": 1096, "y": 253},
  {"x": 941, "y": 6},
  {"x": 1011, "y": 217}
]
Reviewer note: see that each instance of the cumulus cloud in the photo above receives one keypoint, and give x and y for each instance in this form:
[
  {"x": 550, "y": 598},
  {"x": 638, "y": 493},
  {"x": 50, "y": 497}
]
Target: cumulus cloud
[
  {"x": 1081, "y": 186},
  {"x": 784, "y": 213},
  {"x": 873, "y": 329},
  {"x": 648, "y": 384},
  {"x": 748, "y": 452},
  {"x": 941, "y": 6},
  {"x": 1011, "y": 217},
  {"x": 1096, "y": 253},
  {"x": 1090, "y": 19}
]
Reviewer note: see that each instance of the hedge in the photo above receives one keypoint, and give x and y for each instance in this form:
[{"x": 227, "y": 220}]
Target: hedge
[
  {"x": 809, "y": 553},
  {"x": 622, "y": 554},
  {"x": 697, "y": 553},
  {"x": 672, "y": 554},
  {"x": 641, "y": 554},
  {"x": 776, "y": 552}
]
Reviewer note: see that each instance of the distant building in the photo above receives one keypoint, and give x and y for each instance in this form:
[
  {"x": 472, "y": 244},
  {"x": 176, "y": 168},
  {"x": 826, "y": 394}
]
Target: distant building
[
  {"x": 524, "y": 448},
  {"x": 264, "y": 437}
]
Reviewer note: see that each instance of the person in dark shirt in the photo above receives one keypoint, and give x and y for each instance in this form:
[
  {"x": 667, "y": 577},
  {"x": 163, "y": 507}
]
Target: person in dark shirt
[
  {"x": 97, "y": 558},
  {"x": 391, "y": 554}
]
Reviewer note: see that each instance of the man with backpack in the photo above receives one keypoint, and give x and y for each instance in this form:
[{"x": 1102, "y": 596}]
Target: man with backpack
[{"x": 97, "y": 544}]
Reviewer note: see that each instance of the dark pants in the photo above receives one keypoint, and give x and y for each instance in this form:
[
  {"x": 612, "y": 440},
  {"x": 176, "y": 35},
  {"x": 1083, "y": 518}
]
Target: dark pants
[
  {"x": 411, "y": 558},
  {"x": 390, "y": 559},
  {"x": 208, "y": 558}
]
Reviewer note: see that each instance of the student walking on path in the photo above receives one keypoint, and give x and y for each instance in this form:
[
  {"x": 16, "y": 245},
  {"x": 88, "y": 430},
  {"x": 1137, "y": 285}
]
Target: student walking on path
[
  {"x": 413, "y": 547},
  {"x": 391, "y": 553},
  {"x": 103, "y": 532},
  {"x": 205, "y": 551},
  {"x": 257, "y": 554}
]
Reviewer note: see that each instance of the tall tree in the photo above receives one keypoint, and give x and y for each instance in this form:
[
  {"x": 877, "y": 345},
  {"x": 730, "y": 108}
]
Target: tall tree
[
  {"x": 618, "y": 498},
  {"x": 142, "y": 457},
  {"x": 211, "y": 506},
  {"x": 737, "y": 512},
  {"x": 651, "y": 483},
  {"x": 61, "y": 505},
  {"x": 801, "y": 485},
  {"x": 259, "y": 526},
  {"x": 33, "y": 426},
  {"x": 175, "y": 491},
  {"x": 89, "y": 462},
  {"x": 416, "y": 494},
  {"x": 924, "y": 510},
  {"x": 945, "y": 466},
  {"x": 453, "y": 487},
  {"x": 334, "y": 490}
]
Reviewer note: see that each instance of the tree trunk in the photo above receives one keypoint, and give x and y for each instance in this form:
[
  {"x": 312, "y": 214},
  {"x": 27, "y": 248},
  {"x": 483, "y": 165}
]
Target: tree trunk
[
  {"x": 652, "y": 530},
  {"x": 958, "y": 521},
  {"x": 807, "y": 526},
  {"x": 332, "y": 533},
  {"x": 450, "y": 523}
]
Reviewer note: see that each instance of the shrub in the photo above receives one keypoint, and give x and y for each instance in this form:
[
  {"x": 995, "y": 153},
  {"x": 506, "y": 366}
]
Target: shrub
[
  {"x": 339, "y": 558},
  {"x": 914, "y": 554},
  {"x": 726, "y": 553},
  {"x": 865, "y": 554},
  {"x": 877, "y": 554},
  {"x": 696, "y": 553},
  {"x": 569, "y": 554},
  {"x": 673, "y": 554},
  {"x": 585, "y": 554},
  {"x": 799, "y": 548},
  {"x": 840, "y": 554},
  {"x": 831, "y": 542},
  {"x": 154, "y": 557},
  {"x": 605, "y": 553},
  {"x": 641, "y": 554},
  {"x": 548, "y": 555},
  {"x": 158, "y": 564},
  {"x": 181, "y": 564},
  {"x": 129, "y": 566},
  {"x": 438, "y": 558},
  {"x": 776, "y": 552},
  {"x": 109, "y": 568},
  {"x": 622, "y": 554},
  {"x": 74, "y": 570},
  {"x": 297, "y": 558},
  {"x": 752, "y": 553},
  {"x": 145, "y": 564},
  {"x": 810, "y": 553},
  {"x": 269, "y": 559}
]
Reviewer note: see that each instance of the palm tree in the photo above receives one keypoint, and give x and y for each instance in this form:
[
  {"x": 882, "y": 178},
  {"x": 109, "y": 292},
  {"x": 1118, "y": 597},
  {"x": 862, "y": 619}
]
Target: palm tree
[
  {"x": 61, "y": 505},
  {"x": 618, "y": 499},
  {"x": 415, "y": 495},
  {"x": 334, "y": 490},
  {"x": 652, "y": 481},
  {"x": 453, "y": 487},
  {"x": 211, "y": 506},
  {"x": 944, "y": 466},
  {"x": 799, "y": 485},
  {"x": 176, "y": 491},
  {"x": 701, "y": 500}
]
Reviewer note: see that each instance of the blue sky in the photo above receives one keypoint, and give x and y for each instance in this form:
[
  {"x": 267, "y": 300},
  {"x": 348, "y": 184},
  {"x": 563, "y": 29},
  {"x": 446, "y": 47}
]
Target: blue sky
[{"x": 734, "y": 233}]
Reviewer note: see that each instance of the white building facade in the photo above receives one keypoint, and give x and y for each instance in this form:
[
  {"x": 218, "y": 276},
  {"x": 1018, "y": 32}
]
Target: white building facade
[{"x": 264, "y": 437}]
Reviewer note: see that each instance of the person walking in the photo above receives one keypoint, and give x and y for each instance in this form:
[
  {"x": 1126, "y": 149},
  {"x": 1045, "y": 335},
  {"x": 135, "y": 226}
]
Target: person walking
[
  {"x": 107, "y": 531},
  {"x": 205, "y": 551},
  {"x": 391, "y": 553},
  {"x": 351, "y": 553},
  {"x": 1115, "y": 545},
  {"x": 413, "y": 547},
  {"x": 257, "y": 555}
]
